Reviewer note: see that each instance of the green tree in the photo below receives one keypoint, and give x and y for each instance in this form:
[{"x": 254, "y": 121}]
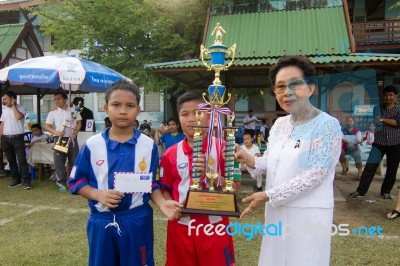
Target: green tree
[{"x": 126, "y": 34}]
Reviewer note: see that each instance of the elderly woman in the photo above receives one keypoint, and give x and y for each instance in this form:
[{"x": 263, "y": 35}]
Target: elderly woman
[{"x": 303, "y": 150}]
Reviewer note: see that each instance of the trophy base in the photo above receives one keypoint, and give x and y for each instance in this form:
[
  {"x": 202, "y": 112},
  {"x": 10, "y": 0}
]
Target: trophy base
[
  {"x": 61, "y": 149},
  {"x": 211, "y": 203}
]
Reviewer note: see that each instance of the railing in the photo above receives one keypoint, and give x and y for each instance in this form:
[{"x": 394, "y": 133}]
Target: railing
[{"x": 376, "y": 32}]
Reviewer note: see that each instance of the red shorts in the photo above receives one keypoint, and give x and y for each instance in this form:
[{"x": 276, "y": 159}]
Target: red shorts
[{"x": 198, "y": 250}]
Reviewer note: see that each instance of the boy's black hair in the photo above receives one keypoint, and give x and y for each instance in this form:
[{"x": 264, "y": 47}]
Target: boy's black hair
[
  {"x": 248, "y": 133},
  {"x": 188, "y": 96},
  {"x": 77, "y": 100},
  {"x": 38, "y": 126},
  {"x": 124, "y": 86},
  {"x": 11, "y": 94},
  {"x": 62, "y": 93},
  {"x": 391, "y": 88},
  {"x": 173, "y": 119},
  {"x": 176, "y": 120}
]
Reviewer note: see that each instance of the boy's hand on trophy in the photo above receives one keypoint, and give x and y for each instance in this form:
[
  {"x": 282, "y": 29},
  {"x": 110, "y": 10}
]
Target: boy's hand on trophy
[
  {"x": 59, "y": 133},
  {"x": 199, "y": 164},
  {"x": 171, "y": 209},
  {"x": 110, "y": 198}
]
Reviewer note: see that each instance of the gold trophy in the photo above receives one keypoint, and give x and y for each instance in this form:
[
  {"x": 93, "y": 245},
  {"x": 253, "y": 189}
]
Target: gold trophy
[
  {"x": 62, "y": 144},
  {"x": 215, "y": 195}
]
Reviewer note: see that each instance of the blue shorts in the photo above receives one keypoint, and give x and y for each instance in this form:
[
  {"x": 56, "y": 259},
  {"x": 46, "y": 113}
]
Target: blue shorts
[{"x": 127, "y": 240}]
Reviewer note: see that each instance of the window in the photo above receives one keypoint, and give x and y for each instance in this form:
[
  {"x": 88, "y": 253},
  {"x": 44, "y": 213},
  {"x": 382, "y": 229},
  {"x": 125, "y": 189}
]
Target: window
[
  {"x": 151, "y": 102},
  {"x": 27, "y": 102},
  {"x": 101, "y": 101}
]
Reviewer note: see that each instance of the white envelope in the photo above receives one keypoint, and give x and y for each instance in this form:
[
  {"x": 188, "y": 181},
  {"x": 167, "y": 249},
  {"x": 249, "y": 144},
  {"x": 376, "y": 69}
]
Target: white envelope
[{"x": 133, "y": 182}]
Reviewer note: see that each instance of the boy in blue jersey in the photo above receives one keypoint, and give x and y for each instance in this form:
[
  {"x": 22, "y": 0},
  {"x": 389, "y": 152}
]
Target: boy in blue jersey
[{"x": 120, "y": 159}]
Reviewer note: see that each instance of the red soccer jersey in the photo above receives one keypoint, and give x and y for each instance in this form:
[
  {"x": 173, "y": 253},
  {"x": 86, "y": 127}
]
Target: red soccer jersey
[{"x": 176, "y": 175}]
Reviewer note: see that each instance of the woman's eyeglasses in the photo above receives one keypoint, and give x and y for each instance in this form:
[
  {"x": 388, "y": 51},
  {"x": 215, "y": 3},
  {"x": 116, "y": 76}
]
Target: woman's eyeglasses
[{"x": 292, "y": 85}]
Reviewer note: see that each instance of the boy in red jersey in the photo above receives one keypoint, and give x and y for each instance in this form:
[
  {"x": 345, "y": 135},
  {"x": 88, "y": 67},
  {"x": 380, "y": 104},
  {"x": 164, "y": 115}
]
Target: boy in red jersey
[{"x": 195, "y": 247}]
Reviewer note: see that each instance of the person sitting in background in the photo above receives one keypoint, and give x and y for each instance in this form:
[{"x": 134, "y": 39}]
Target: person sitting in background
[
  {"x": 251, "y": 149},
  {"x": 351, "y": 139},
  {"x": 38, "y": 135},
  {"x": 369, "y": 135},
  {"x": 170, "y": 136}
]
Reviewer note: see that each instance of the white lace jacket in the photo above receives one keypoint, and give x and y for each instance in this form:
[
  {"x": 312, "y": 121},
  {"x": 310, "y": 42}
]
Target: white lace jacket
[{"x": 300, "y": 162}]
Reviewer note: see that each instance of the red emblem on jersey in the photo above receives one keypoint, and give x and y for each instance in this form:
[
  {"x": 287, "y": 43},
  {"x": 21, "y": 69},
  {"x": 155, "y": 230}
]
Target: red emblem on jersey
[{"x": 100, "y": 162}]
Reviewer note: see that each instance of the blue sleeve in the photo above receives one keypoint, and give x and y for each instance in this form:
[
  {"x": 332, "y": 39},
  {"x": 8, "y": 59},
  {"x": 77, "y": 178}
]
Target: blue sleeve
[
  {"x": 80, "y": 172},
  {"x": 154, "y": 167},
  {"x": 162, "y": 138}
]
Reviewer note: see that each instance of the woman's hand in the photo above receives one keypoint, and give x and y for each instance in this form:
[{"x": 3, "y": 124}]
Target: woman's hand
[
  {"x": 256, "y": 200},
  {"x": 110, "y": 198}
]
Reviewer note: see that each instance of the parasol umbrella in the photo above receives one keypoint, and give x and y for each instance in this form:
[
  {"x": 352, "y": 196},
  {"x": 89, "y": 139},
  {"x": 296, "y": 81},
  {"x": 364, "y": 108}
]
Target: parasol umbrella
[
  {"x": 54, "y": 72},
  {"x": 68, "y": 72}
]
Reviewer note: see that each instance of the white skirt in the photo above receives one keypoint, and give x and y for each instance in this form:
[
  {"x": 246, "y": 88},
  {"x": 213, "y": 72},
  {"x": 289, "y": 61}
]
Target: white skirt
[{"x": 304, "y": 238}]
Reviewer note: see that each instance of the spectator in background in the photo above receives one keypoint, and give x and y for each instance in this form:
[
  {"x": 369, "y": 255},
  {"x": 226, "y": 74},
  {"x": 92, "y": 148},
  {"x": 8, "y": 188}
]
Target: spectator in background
[
  {"x": 350, "y": 146},
  {"x": 369, "y": 135},
  {"x": 55, "y": 122},
  {"x": 264, "y": 130},
  {"x": 249, "y": 123},
  {"x": 38, "y": 135},
  {"x": 251, "y": 149},
  {"x": 396, "y": 212},
  {"x": 386, "y": 142},
  {"x": 170, "y": 136},
  {"x": 107, "y": 122},
  {"x": 12, "y": 138},
  {"x": 86, "y": 115},
  {"x": 145, "y": 128}
]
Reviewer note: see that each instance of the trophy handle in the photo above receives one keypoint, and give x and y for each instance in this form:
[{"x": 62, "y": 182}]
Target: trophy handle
[
  {"x": 204, "y": 51},
  {"x": 228, "y": 52}
]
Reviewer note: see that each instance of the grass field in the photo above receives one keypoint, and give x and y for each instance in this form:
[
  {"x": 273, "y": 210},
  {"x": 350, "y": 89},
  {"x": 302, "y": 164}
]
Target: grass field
[{"x": 45, "y": 227}]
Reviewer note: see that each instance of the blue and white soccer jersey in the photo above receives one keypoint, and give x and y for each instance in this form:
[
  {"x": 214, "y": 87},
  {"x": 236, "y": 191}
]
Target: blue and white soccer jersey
[{"x": 123, "y": 235}]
